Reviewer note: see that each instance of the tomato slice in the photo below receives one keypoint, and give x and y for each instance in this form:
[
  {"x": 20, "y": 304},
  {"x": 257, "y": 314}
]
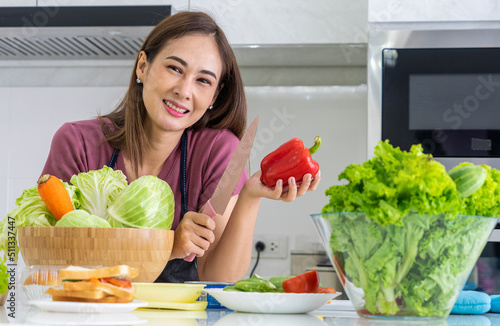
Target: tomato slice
[
  {"x": 117, "y": 281},
  {"x": 303, "y": 283},
  {"x": 325, "y": 289}
]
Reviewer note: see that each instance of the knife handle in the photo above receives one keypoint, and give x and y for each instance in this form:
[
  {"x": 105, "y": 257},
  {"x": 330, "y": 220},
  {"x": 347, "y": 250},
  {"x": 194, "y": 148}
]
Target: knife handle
[{"x": 209, "y": 210}]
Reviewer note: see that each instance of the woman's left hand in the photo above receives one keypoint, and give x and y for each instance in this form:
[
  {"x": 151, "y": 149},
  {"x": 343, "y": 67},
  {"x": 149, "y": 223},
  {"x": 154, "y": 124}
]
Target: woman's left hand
[{"x": 287, "y": 193}]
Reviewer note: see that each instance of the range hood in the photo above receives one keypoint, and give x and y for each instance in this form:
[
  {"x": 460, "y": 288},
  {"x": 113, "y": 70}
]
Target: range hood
[{"x": 76, "y": 33}]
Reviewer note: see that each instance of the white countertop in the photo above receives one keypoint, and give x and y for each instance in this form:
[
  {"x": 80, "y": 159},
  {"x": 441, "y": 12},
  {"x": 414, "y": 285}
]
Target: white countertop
[{"x": 28, "y": 315}]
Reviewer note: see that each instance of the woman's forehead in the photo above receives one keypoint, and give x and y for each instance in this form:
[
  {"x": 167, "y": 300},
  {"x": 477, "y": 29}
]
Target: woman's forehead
[{"x": 194, "y": 49}]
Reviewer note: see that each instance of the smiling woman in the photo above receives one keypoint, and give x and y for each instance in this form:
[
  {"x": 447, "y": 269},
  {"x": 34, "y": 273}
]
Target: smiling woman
[{"x": 181, "y": 120}]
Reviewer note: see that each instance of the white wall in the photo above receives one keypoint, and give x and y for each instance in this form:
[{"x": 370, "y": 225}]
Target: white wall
[{"x": 338, "y": 115}]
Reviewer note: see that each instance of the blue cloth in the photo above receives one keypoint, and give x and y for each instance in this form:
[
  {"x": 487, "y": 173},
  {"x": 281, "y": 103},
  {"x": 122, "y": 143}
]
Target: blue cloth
[
  {"x": 495, "y": 303},
  {"x": 472, "y": 303}
]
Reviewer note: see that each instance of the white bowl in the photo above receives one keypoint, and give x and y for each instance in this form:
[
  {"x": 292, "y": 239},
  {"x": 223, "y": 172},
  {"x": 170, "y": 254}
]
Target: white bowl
[{"x": 271, "y": 302}]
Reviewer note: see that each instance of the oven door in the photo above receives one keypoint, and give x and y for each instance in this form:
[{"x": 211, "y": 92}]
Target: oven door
[{"x": 448, "y": 100}]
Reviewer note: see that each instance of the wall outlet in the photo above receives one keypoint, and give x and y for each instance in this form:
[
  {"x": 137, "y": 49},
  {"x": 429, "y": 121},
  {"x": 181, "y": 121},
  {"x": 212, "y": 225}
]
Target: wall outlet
[{"x": 276, "y": 246}]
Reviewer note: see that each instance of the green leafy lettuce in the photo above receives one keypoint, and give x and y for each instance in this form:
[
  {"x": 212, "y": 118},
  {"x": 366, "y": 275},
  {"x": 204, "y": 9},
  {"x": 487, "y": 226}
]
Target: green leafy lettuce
[
  {"x": 398, "y": 235},
  {"x": 4, "y": 278},
  {"x": 79, "y": 217},
  {"x": 394, "y": 183},
  {"x": 148, "y": 202}
]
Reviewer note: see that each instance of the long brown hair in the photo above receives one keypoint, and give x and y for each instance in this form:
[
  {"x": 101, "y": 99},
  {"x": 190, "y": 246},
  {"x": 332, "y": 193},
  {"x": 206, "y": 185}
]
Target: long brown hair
[{"x": 229, "y": 110}]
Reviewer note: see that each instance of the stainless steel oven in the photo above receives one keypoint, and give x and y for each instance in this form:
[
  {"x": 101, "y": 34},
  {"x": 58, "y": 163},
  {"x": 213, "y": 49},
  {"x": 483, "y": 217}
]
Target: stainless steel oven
[{"x": 440, "y": 88}]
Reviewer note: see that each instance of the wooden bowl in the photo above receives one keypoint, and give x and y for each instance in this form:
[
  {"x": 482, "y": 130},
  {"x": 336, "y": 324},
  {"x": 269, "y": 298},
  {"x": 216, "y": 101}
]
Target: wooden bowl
[{"x": 146, "y": 249}]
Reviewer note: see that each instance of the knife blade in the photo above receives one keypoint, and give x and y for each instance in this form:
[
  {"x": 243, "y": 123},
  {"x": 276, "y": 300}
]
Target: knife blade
[{"x": 224, "y": 191}]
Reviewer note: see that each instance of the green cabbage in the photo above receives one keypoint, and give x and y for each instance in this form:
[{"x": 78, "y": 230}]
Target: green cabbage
[
  {"x": 148, "y": 202},
  {"x": 98, "y": 189},
  {"x": 80, "y": 217}
]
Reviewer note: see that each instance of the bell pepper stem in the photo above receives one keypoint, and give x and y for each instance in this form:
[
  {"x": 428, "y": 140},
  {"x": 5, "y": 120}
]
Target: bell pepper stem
[{"x": 315, "y": 147}]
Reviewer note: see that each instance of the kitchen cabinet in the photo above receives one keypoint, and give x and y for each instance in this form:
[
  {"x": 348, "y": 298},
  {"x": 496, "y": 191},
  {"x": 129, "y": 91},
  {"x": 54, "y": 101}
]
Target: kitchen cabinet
[
  {"x": 383, "y": 11},
  {"x": 174, "y": 3},
  {"x": 288, "y": 21},
  {"x": 17, "y": 3}
]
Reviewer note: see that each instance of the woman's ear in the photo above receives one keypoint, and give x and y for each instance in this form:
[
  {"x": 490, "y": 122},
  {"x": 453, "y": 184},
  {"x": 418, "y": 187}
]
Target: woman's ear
[{"x": 142, "y": 63}]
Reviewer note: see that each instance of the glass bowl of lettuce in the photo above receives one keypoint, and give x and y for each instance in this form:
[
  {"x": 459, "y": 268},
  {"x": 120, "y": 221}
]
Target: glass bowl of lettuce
[
  {"x": 403, "y": 233},
  {"x": 415, "y": 269}
]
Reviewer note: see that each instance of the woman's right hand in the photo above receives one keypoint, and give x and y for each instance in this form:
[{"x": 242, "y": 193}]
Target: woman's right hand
[{"x": 194, "y": 234}]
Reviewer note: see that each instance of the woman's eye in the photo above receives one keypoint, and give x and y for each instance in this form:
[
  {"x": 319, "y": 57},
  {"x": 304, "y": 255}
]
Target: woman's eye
[
  {"x": 174, "y": 68},
  {"x": 205, "y": 81}
]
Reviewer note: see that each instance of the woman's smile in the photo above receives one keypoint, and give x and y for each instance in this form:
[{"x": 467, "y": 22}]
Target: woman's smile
[{"x": 175, "y": 109}]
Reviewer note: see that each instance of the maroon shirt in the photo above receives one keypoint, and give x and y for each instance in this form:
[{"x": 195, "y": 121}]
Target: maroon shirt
[{"x": 80, "y": 147}]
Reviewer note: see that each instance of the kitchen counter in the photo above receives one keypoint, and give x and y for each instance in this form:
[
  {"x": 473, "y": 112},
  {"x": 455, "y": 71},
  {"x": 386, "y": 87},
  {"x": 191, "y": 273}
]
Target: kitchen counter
[{"x": 28, "y": 315}]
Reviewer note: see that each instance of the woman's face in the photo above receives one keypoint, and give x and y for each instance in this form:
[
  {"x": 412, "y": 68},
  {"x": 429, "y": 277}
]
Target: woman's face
[{"x": 181, "y": 82}]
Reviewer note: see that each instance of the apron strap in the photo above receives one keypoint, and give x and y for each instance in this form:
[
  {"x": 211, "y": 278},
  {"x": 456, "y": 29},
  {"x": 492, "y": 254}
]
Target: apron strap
[
  {"x": 114, "y": 157},
  {"x": 183, "y": 174}
]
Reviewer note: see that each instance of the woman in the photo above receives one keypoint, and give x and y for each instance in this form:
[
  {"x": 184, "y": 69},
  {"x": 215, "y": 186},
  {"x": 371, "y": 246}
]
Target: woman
[{"x": 183, "y": 115}]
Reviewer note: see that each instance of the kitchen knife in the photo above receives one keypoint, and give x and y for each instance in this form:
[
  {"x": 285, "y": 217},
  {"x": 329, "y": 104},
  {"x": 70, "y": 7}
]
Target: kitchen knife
[{"x": 224, "y": 191}]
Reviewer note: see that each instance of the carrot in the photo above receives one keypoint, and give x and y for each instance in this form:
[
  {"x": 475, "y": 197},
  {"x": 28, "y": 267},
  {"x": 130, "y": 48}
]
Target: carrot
[{"x": 54, "y": 195}]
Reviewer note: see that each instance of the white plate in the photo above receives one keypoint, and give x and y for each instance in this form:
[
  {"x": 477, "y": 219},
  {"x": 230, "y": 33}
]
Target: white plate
[
  {"x": 87, "y": 307},
  {"x": 271, "y": 303}
]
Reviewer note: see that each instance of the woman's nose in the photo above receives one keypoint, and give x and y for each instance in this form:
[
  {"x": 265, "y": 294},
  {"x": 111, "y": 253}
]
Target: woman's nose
[{"x": 183, "y": 88}]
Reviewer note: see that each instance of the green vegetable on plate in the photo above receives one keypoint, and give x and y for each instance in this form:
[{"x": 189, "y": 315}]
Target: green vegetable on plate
[{"x": 255, "y": 283}]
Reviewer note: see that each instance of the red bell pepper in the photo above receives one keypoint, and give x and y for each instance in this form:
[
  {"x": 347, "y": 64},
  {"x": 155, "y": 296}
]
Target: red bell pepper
[
  {"x": 292, "y": 159},
  {"x": 307, "y": 282}
]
